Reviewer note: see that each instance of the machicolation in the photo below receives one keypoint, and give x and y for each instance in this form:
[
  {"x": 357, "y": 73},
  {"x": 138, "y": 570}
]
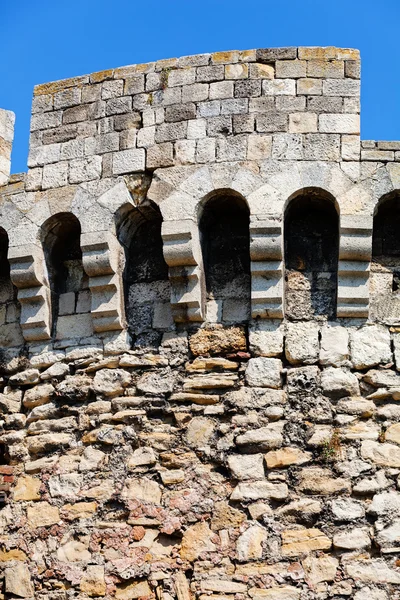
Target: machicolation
[{"x": 200, "y": 336}]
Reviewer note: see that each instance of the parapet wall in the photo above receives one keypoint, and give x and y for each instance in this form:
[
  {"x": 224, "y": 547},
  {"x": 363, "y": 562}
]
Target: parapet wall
[{"x": 199, "y": 321}]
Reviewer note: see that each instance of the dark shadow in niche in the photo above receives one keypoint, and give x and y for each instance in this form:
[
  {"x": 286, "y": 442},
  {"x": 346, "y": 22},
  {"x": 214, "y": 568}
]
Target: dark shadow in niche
[
  {"x": 145, "y": 276},
  {"x": 68, "y": 282},
  {"x": 311, "y": 234},
  {"x": 225, "y": 244},
  {"x": 385, "y": 264},
  {"x": 9, "y": 307}
]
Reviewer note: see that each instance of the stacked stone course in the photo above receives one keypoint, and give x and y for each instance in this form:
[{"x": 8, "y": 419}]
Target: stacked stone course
[{"x": 161, "y": 439}]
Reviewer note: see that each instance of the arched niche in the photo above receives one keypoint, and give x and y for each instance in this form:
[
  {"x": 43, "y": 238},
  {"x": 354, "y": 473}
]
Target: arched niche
[
  {"x": 225, "y": 245},
  {"x": 10, "y": 310},
  {"x": 311, "y": 249},
  {"x": 68, "y": 282},
  {"x": 385, "y": 263},
  {"x": 145, "y": 275}
]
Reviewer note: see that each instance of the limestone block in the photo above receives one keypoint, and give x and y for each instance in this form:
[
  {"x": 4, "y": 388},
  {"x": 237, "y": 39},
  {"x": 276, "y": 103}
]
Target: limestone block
[
  {"x": 384, "y": 455},
  {"x": 246, "y": 466},
  {"x": 145, "y": 490},
  {"x": 296, "y": 542},
  {"x": 74, "y": 326},
  {"x": 346, "y": 509},
  {"x": 372, "y": 571},
  {"x": 303, "y": 123},
  {"x": 264, "y": 438},
  {"x": 199, "y": 432},
  {"x": 337, "y": 383},
  {"x": 279, "y": 87},
  {"x": 92, "y": 582},
  {"x": 226, "y": 517},
  {"x": 260, "y": 490},
  {"x": 321, "y": 568},
  {"x": 334, "y": 345},
  {"x": 18, "y": 581},
  {"x": 363, "y": 353},
  {"x": 302, "y": 342},
  {"x": 249, "y": 545},
  {"x": 283, "y": 592},
  {"x": 345, "y": 123},
  {"x": 27, "y": 488},
  {"x": 195, "y": 541},
  {"x": 266, "y": 338},
  {"x": 42, "y": 514},
  {"x": 314, "y": 480},
  {"x": 128, "y": 161},
  {"x": 264, "y": 372},
  {"x": 286, "y": 457},
  {"x": 356, "y": 538},
  {"x": 133, "y": 591}
]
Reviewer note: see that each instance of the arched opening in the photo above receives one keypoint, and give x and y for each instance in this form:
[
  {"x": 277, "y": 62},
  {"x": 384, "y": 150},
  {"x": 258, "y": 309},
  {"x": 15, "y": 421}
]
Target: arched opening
[
  {"x": 225, "y": 244},
  {"x": 145, "y": 276},
  {"x": 385, "y": 264},
  {"x": 311, "y": 233},
  {"x": 10, "y": 311},
  {"x": 68, "y": 282}
]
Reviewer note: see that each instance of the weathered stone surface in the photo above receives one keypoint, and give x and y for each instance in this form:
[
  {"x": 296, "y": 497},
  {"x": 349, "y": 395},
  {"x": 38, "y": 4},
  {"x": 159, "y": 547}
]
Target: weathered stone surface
[
  {"x": 249, "y": 545},
  {"x": 195, "y": 541},
  {"x": 285, "y": 457},
  {"x": 346, "y": 509},
  {"x": 260, "y": 490},
  {"x": 27, "y": 488},
  {"x": 372, "y": 571},
  {"x": 218, "y": 341},
  {"x": 363, "y": 353},
  {"x": 145, "y": 490},
  {"x": 284, "y": 592},
  {"x": 42, "y": 514},
  {"x": 264, "y": 372},
  {"x": 321, "y": 568},
  {"x": 385, "y": 455},
  {"x": 302, "y": 343},
  {"x": 246, "y": 466},
  {"x": 199, "y": 432},
  {"x": 225, "y": 517},
  {"x": 296, "y": 542},
  {"x": 334, "y": 349},
  {"x": 321, "y": 481},
  {"x": 337, "y": 383},
  {"x": 93, "y": 583},
  {"x": 264, "y": 438},
  {"x": 132, "y": 591},
  {"x": 18, "y": 581},
  {"x": 352, "y": 539}
]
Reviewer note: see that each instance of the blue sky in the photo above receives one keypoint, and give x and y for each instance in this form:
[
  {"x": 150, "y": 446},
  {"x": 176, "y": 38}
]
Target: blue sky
[{"x": 45, "y": 40}]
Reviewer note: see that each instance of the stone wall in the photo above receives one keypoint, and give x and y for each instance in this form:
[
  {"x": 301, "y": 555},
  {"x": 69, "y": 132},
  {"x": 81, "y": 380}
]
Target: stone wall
[{"x": 199, "y": 329}]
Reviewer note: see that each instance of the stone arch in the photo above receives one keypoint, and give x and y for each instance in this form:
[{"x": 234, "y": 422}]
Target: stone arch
[
  {"x": 145, "y": 273},
  {"x": 385, "y": 262},
  {"x": 68, "y": 282},
  {"x": 225, "y": 242},
  {"x": 311, "y": 250}
]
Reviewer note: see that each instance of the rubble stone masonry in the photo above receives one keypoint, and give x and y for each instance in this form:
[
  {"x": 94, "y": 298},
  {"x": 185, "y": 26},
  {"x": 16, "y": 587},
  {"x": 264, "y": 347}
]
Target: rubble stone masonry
[{"x": 200, "y": 336}]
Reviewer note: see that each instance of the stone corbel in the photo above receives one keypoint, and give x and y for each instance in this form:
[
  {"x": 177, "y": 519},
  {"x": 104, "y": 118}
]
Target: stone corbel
[
  {"x": 101, "y": 256},
  {"x": 354, "y": 263},
  {"x": 182, "y": 253},
  {"x": 266, "y": 269},
  {"x": 27, "y": 270}
]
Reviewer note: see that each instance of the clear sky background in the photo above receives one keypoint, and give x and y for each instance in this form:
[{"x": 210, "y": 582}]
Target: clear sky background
[{"x": 45, "y": 40}]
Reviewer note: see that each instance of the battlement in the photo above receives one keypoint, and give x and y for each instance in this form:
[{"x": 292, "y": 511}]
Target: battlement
[
  {"x": 199, "y": 336},
  {"x": 155, "y": 146}
]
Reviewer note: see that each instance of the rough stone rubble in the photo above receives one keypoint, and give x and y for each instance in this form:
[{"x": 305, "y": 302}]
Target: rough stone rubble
[{"x": 223, "y": 450}]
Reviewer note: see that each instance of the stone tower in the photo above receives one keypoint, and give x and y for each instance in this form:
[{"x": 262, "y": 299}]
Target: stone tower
[{"x": 199, "y": 332}]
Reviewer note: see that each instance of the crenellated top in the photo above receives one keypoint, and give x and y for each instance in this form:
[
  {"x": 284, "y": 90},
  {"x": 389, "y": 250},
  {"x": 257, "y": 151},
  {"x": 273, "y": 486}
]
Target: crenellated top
[{"x": 163, "y": 193}]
